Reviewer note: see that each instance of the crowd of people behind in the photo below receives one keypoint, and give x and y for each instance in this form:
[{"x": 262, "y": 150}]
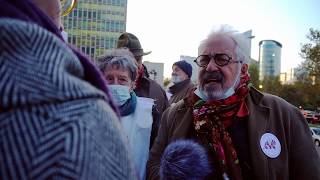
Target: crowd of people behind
[{"x": 63, "y": 117}]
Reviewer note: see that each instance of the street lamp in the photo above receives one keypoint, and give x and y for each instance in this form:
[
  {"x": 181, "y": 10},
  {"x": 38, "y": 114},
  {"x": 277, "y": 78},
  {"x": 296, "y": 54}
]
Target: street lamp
[
  {"x": 260, "y": 86},
  {"x": 154, "y": 73}
]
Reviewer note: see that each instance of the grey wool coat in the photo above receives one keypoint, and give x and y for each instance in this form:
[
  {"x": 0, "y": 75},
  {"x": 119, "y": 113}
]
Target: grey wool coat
[{"x": 53, "y": 124}]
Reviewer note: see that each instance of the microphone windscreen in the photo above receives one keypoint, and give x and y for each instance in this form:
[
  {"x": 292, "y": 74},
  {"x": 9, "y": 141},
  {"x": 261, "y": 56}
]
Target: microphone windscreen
[{"x": 184, "y": 159}]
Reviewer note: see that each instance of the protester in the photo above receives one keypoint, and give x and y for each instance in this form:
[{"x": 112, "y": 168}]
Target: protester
[
  {"x": 145, "y": 87},
  {"x": 57, "y": 120},
  {"x": 184, "y": 160},
  {"x": 180, "y": 77},
  {"x": 248, "y": 134},
  {"x": 120, "y": 70}
]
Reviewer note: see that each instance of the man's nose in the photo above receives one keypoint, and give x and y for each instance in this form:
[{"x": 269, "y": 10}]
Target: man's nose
[{"x": 212, "y": 66}]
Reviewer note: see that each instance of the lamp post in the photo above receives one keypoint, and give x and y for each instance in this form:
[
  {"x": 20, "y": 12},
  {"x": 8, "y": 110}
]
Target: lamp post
[{"x": 154, "y": 73}]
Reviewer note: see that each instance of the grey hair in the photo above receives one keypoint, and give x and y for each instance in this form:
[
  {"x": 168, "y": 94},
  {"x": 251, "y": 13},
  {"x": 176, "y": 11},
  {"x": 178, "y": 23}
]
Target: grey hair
[
  {"x": 120, "y": 59},
  {"x": 241, "y": 41}
]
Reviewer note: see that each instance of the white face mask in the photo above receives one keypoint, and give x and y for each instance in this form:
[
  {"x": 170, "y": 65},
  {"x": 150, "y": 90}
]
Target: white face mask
[
  {"x": 64, "y": 36},
  {"x": 120, "y": 93},
  {"x": 175, "y": 79}
]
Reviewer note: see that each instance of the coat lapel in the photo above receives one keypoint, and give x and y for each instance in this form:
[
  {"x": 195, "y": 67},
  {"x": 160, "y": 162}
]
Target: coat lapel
[{"x": 257, "y": 126}]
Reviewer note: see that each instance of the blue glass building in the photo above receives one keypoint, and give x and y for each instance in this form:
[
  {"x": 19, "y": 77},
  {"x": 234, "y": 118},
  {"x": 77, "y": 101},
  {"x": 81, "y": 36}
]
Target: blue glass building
[
  {"x": 95, "y": 25},
  {"x": 269, "y": 58}
]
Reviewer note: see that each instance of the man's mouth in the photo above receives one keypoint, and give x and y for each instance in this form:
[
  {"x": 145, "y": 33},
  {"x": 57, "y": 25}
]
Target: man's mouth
[
  {"x": 212, "y": 81},
  {"x": 213, "y": 77}
]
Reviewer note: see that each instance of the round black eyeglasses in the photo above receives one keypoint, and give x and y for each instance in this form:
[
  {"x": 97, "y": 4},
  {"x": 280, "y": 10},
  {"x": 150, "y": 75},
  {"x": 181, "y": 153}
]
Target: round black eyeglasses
[{"x": 219, "y": 59}]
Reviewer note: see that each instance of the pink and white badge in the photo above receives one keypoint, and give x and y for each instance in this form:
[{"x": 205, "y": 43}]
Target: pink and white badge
[{"x": 270, "y": 145}]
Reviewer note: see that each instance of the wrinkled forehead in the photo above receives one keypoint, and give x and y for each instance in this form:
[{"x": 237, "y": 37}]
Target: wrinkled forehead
[{"x": 217, "y": 44}]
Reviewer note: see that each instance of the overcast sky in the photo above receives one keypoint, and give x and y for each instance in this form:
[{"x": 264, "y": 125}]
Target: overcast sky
[{"x": 170, "y": 28}]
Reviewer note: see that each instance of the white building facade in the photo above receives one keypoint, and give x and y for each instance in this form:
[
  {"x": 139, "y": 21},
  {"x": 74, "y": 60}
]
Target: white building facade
[{"x": 155, "y": 71}]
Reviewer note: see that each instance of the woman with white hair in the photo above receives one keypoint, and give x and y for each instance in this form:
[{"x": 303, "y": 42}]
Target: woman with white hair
[{"x": 120, "y": 69}]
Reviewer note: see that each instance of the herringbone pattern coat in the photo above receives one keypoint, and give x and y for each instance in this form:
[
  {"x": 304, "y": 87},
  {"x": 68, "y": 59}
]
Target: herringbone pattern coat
[{"x": 53, "y": 125}]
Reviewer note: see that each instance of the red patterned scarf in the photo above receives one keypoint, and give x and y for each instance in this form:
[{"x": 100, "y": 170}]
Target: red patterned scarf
[
  {"x": 139, "y": 77},
  {"x": 211, "y": 119}
]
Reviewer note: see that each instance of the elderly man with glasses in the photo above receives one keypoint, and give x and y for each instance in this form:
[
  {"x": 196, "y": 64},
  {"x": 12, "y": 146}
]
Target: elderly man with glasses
[{"x": 247, "y": 134}]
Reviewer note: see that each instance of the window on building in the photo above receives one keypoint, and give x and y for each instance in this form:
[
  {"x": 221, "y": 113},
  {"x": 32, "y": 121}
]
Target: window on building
[
  {"x": 83, "y": 49},
  {"x": 108, "y": 26},
  {"x": 112, "y": 26},
  {"x": 93, "y": 41},
  {"x": 85, "y": 13},
  {"x": 89, "y": 14},
  {"x": 80, "y": 13},
  {"x": 107, "y": 45},
  {"x": 69, "y": 39},
  {"x": 122, "y": 26},
  {"x": 99, "y": 15},
  {"x": 87, "y": 50},
  {"x": 73, "y": 40},
  {"x": 69, "y": 21}
]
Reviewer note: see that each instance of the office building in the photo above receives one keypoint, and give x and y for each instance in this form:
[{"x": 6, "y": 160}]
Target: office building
[
  {"x": 95, "y": 25},
  {"x": 269, "y": 58},
  {"x": 195, "y": 67},
  {"x": 249, "y": 35},
  {"x": 288, "y": 77}
]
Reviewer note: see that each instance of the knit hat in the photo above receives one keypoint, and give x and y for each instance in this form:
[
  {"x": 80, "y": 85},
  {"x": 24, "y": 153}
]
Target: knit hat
[
  {"x": 185, "y": 67},
  {"x": 131, "y": 42}
]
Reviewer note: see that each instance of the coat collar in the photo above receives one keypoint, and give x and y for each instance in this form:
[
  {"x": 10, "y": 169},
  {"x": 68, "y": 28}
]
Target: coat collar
[{"x": 179, "y": 86}]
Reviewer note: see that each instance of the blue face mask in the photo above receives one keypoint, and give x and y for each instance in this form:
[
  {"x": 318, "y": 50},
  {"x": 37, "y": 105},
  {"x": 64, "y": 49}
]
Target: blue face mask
[
  {"x": 229, "y": 92},
  {"x": 120, "y": 93},
  {"x": 204, "y": 97},
  {"x": 175, "y": 79}
]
